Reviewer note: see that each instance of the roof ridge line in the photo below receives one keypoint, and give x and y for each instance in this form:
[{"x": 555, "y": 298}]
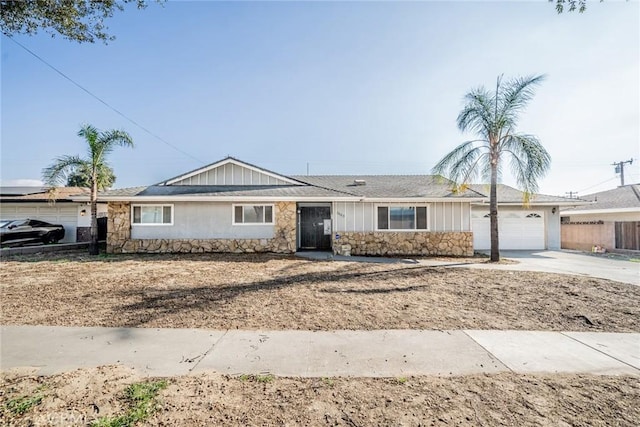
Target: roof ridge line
[{"x": 635, "y": 191}]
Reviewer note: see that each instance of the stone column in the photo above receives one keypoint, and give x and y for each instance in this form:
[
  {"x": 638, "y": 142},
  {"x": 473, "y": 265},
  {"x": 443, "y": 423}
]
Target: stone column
[
  {"x": 284, "y": 239},
  {"x": 118, "y": 226}
]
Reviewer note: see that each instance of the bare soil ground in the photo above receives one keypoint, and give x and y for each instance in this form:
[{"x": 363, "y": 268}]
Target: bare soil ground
[
  {"x": 80, "y": 397},
  {"x": 220, "y": 291}
]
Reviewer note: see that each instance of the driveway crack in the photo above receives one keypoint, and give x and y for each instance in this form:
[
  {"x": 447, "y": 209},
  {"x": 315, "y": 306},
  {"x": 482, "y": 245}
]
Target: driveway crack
[{"x": 200, "y": 359}]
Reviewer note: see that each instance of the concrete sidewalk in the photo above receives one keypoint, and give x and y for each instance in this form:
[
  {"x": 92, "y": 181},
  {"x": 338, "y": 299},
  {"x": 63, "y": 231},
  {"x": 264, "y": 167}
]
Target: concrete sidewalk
[{"x": 386, "y": 353}]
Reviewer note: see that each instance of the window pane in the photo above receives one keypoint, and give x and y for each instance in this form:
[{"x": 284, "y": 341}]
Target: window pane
[
  {"x": 421, "y": 218},
  {"x": 151, "y": 214},
  {"x": 268, "y": 214},
  {"x": 402, "y": 218},
  {"x": 383, "y": 218},
  {"x": 253, "y": 214},
  {"x": 238, "y": 214},
  {"x": 136, "y": 214},
  {"x": 166, "y": 214}
]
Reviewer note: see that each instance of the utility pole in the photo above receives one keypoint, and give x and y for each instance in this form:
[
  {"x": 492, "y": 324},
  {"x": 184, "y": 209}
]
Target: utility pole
[
  {"x": 571, "y": 194},
  {"x": 620, "y": 169}
]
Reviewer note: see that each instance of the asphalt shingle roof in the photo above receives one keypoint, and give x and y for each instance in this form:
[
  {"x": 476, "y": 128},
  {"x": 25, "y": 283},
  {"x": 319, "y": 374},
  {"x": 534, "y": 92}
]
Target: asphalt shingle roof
[
  {"x": 225, "y": 191},
  {"x": 624, "y": 197},
  {"x": 507, "y": 194},
  {"x": 40, "y": 194},
  {"x": 388, "y": 186}
]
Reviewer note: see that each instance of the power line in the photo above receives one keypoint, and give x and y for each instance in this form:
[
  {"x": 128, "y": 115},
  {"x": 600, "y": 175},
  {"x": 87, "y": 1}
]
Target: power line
[
  {"x": 595, "y": 185},
  {"x": 105, "y": 103}
]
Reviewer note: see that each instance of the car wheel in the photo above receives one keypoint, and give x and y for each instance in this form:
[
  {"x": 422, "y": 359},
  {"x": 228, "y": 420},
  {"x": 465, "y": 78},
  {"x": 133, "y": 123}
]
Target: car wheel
[{"x": 48, "y": 238}]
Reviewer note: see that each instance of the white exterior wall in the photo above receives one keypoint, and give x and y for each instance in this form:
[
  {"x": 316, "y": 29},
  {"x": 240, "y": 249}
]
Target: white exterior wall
[
  {"x": 65, "y": 214},
  {"x": 231, "y": 174},
  {"x": 621, "y": 216},
  {"x": 85, "y": 220},
  {"x": 551, "y": 220},
  {"x": 362, "y": 217},
  {"x": 201, "y": 220}
]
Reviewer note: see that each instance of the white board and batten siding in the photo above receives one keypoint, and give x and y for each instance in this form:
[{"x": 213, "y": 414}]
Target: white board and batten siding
[
  {"x": 362, "y": 216},
  {"x": 231, "y": 174},
  {"x": 517, "y": 229},
  {"x": 59, "y": 213}
]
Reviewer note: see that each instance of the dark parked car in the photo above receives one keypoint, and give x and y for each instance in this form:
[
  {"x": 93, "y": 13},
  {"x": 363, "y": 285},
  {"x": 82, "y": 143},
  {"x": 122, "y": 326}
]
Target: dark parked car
[{"x": 22, "y": 231}]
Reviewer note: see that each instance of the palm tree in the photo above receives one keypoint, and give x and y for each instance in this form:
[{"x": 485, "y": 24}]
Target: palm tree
[
  {"x": 82, "y": 178},
  {"x": 493, "y": 117},
  {"x": 99, "y": 144}
]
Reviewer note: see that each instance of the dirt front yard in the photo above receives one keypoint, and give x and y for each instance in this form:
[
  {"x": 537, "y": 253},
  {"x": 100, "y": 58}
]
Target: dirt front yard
[
  {"x": 83, "y": 396},
  {"x": 277, "y": 292}
]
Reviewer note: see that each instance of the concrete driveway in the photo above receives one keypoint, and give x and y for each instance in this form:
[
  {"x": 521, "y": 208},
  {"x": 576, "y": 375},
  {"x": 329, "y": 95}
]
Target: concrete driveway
[{"x": 567, "y": 262}]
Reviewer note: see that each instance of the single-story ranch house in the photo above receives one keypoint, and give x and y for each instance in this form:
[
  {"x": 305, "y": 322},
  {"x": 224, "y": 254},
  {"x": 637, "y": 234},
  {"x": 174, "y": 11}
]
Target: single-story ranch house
[{"x": 233, "y": 206}]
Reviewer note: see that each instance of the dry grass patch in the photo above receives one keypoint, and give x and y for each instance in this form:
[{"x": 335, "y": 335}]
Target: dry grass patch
[
  {"x": 221, "y": 291},
  {"x": 83, "y": 396}
]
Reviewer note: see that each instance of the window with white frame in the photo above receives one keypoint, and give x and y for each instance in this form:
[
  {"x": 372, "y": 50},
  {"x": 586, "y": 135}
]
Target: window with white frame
[
  {"x": 253, "y": 214},
  {"x": 402, "y": 217},
  {"x": 152, "y": 215}
]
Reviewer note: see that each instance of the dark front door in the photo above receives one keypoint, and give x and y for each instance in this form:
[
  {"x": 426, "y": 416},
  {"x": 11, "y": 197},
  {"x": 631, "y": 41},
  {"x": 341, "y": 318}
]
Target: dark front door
[{"x": 312, "y": 229}]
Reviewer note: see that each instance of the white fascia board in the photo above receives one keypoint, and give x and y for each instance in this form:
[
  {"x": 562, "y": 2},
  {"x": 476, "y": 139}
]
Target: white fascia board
[
  {"x": 235, "y": 162},
  {"x": 486, "y": 203},
  {"x": 144, "y": 199},
  {"x": 417, "y": 200},
  {"x": 600, "y": 211},
  {"x": 164, "y": 199}
]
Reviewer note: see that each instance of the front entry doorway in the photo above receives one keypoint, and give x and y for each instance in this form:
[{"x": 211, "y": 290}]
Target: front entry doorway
[{"x": 314, "y": 227}]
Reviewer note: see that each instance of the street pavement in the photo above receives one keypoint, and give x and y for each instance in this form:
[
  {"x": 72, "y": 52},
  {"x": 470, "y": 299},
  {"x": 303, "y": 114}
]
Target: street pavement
[{"x": 380, "y": 353}]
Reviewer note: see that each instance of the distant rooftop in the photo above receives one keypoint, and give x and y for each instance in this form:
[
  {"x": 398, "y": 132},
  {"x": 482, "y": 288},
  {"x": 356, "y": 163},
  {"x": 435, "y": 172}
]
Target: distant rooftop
[{"x": 624, "y": 197}]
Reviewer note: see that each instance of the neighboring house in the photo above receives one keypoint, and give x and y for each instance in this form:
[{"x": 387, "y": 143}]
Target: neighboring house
[
  {"x": 535, "y": 226},
  {"x": 611, "y": 221},
  {"x": 56, "y": 207},
  {"x": 233, "y": 206}
]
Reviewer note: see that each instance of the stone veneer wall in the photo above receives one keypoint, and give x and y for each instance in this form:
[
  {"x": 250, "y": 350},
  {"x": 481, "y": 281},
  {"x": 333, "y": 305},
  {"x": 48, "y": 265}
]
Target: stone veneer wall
[
  {"x": 459, "y": 243},
  {"x": 119, "y": 236}
]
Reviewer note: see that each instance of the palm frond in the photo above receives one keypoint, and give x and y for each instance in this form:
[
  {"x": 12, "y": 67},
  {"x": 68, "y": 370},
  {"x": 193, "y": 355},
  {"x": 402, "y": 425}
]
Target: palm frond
[
  {"x": 476, "y": 115},
  {"x": 108, "y": 140},
  {"x": 529, "y": 160},
  {"x": 447, "y": 165},
  {"x": 60, "y": 169},
  {"x": 515, "y": 96}
]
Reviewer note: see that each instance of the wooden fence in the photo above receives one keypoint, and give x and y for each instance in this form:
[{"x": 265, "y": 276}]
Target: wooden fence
[
  {"x": 628, "y": 235},
  {"x": 584, "y": 236}
]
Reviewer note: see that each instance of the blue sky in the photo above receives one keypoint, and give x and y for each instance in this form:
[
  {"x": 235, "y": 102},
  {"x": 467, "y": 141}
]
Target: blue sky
[{"x": 347, "y": 87}]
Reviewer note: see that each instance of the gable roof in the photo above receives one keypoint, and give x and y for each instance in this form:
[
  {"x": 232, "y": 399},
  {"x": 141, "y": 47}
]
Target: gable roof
[
  {"x": 40, "y": 194},
  {"x": 220, "y": 192},
  {"x": 625, "y": 198},
  {"x": 313, "y": 187},
  {"x": 512, "y": 196},
  {"x": 389, "y": 186},
  {"x": 216, "y": 174}
]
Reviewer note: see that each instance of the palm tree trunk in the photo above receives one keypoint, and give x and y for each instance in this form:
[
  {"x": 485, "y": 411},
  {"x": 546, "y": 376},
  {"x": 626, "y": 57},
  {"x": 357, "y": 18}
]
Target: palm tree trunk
[
  {"x": 93, "y": 246},
  {"x": 493, "y": 212}
]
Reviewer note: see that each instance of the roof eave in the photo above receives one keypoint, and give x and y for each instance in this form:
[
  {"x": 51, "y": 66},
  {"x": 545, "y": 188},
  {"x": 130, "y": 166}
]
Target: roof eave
[
  {"x": 602, "y": 211},
  {"x": 167, "y": 199}
]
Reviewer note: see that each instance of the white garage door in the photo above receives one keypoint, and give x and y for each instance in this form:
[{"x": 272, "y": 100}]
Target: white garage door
[
  {"x": 516, "y": 230},
  {"x": 65, "y": 215}
]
